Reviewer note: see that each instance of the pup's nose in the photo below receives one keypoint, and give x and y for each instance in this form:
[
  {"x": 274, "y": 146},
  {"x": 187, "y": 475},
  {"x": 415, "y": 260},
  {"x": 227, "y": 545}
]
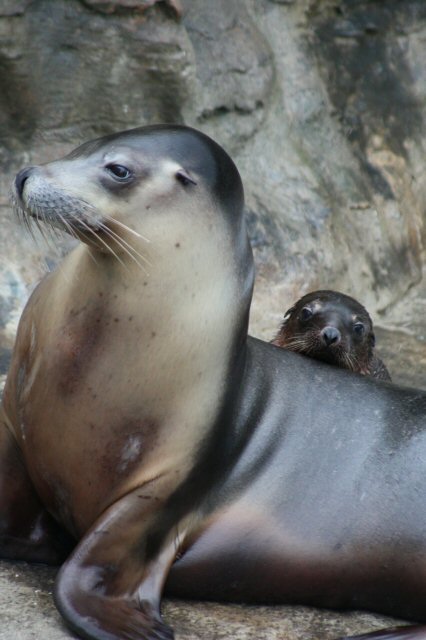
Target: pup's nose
[{"x": 330, "y": 335}]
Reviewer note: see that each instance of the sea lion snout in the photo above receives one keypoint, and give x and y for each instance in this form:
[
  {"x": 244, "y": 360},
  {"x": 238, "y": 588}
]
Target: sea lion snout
[{"x": 330, "y": 336}]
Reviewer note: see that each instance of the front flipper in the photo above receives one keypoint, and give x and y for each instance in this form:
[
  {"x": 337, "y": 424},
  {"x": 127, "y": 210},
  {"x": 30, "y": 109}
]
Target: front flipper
[{"x": 110, "y": 587}]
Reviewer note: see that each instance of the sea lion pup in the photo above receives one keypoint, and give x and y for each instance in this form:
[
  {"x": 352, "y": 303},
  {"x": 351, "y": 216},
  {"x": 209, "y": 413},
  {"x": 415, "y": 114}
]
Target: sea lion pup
[
  {"x": 335, "y": 328},
  {"x": 140, "y": 419}
]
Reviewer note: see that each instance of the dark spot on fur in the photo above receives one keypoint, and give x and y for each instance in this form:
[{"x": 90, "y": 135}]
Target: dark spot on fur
[
  {"x": 130, "y": 318},
  {"x": 144, "y": 284},
  {"x": 75, "y": 312},
  {"x": 153, "y": 334},
  {"x": 177, "y": 245},
  {"x": 116, "y": 319}
]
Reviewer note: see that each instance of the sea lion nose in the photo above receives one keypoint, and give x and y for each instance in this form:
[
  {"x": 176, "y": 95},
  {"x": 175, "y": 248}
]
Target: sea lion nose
[
  {"x": 330, "y": 335},
  {"x": 21, "y": 178}
]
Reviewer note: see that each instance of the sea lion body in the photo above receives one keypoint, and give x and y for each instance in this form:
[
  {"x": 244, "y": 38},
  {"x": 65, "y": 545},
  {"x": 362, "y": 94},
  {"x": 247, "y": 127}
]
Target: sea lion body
[
  {"x": 335, "y": 328},
  {"x": 310, "y": 513},
  {"x": 169, "y": 446}
]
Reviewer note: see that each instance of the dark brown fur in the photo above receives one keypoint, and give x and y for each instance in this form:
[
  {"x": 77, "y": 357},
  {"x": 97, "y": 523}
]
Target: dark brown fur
[{"x": 335, "y": 328}]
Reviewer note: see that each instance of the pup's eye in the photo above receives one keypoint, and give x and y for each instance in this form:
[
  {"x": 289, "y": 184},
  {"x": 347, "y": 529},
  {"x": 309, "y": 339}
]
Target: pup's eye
[
  {"x": 184, "y": 178},
  {"x": 306, "y": 313},
  {"x": 119, "y": 171},
  {"x": 359, "y": 329}
]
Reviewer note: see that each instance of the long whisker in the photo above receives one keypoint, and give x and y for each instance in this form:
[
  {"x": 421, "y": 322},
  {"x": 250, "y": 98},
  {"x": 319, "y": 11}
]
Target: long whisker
[
  {"x": 127, "y": 248},
  {"x": 106, "y": 245},
  {"x": 37, "y": 216},
  {"x": 28, "y": 226},
  {"x": 296, "y": 345},
  {"x": 36, "y": 221},
  {"x": 46, "y": 230},
  {"x": 121, "y": 242},
  {"x": 300, "y": 342},
  {"x": 68, "y": 226},
  {"x": 129, "y": 229},
  {"x": 91, "y": 209}
]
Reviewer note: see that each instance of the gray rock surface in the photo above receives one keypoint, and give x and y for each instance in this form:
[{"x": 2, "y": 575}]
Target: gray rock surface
[{"x": 322, "y": 105}]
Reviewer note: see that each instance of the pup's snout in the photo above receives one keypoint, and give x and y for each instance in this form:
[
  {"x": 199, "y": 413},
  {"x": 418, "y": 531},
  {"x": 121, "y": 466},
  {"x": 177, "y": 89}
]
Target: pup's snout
[{"x": 330, "y": 336}]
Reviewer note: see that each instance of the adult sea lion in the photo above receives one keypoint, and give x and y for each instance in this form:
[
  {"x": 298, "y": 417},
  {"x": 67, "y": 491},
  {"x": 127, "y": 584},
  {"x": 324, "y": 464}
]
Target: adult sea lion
[
  {"x": 140, "y": 421},
  {"x": 335, "y": 328}
]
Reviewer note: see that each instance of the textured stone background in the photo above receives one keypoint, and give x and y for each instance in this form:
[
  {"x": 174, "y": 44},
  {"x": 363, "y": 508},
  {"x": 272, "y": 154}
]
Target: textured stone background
[{"x": 321, "y": 103}]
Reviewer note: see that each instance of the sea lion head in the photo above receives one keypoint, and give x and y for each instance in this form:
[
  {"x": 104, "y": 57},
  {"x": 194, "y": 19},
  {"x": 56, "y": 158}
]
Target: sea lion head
[
  {"x": 329, "y": 326},
  {"x": 110, "y": 190}
]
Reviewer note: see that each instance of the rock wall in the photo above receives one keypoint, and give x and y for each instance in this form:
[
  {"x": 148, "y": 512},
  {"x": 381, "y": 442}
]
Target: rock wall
[{"x": 320, "y": 102}]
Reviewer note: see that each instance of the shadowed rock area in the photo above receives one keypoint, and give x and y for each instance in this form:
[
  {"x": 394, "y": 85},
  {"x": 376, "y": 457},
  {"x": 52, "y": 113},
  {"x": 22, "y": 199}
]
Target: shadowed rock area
[{"x": 321, "y": 103}]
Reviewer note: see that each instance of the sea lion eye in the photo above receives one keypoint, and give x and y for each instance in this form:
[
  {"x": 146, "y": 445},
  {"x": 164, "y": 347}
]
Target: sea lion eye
[
  {"x": 306, "y": 313},
  {"x": 184, "y": 178},
  {"x": 359, "y": 329},
  {"x": 119, "y": 171}
]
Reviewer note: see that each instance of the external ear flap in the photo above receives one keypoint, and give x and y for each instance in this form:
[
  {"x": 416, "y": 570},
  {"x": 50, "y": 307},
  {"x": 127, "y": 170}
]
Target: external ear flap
[
  {"x": 288, "y": 314},
  {"x": 184, "y": 177}
]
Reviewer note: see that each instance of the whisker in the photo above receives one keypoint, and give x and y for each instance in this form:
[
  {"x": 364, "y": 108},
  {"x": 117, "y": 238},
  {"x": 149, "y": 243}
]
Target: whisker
[
  {"x": 68, "y": 226},
  {"x": 35, "y": 221},
  {"x": 21, "y": 215},
  {"x": 125, "y": 250},
  {"x": 351, "y": 363},
  {"x": 91, "y": 209},
  {"x": 49, "y": 231},
  {"x": 126, "y": 247},
  {"x": 129, "y": 229},
  {"x": 37, "y": 217},
  {"x": 121, "y": 242},
  {"x": 106, "y": 245},
  {"x": 300, "y": 342}
]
